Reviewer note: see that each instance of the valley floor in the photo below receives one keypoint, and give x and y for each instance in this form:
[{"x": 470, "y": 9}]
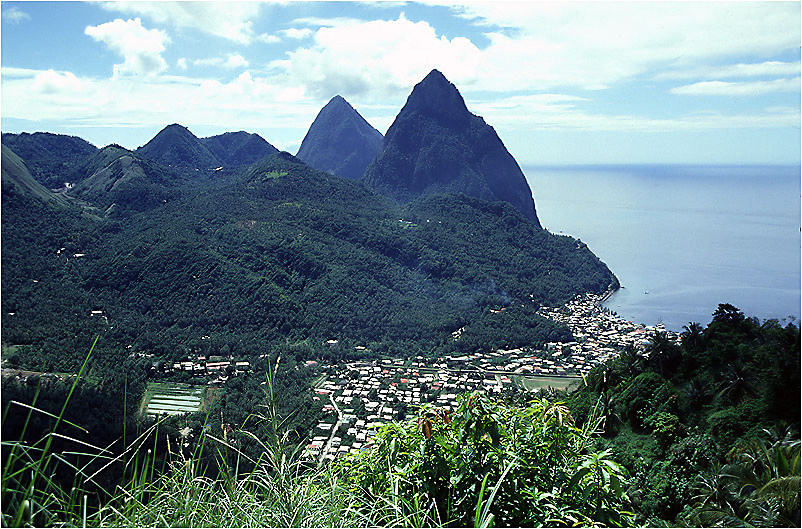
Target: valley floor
[{"x": 365, "y": 394}]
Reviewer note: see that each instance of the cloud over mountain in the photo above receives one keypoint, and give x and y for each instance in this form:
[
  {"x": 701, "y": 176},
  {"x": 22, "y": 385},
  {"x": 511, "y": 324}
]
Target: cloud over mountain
[{"x": 140, "y": 47}]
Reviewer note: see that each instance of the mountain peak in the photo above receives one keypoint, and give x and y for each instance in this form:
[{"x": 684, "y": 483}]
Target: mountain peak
[
  {"x": 340, "y": 141},
  {"x": 176, "y": 146},
  {"x": 238, "y": 148},
  {"x": 435, "y": 145},
  {"x": 436, "y": 96}
]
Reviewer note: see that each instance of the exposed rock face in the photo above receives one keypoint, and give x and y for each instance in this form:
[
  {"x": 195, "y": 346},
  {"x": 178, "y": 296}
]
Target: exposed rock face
[
  {"x": 238, "y": 148},
  {"x": 176, "y": 146},
  {"x": 340, "y": 141},
  {"x": 435, "y": 145}
]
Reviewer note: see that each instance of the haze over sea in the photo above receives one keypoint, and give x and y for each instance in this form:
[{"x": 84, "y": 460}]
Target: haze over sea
[{"x": 682, "y": 238}]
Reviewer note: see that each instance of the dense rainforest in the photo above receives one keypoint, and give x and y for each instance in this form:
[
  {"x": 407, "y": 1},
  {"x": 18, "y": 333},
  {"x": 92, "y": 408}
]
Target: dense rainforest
[
  {"x": 279, "y": 254},
  {"x": 707, "y": 430},
  {"x": 704, "y": 433}
]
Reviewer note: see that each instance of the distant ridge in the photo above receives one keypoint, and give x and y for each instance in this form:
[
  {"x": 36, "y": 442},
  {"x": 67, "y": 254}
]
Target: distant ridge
[
  {"x": 49, "y": 156},
  {"x": 176, "y": 146},
  {"x": 17, "y": 179},
  {"x": 124, "y": 179},
  {"x": 340, "y": 141},
  {"x": 238, "y": 148},
  {"x": 435, "y": 145}
]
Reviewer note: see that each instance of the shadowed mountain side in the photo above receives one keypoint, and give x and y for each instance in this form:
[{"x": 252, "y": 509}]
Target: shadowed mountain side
[
  {"x": 16, "y": 179},
  {"x": 238, "y": 148},
  {"x": 176, "y": 146},
  {"x": 435, "y": 145},
  {"x": 50, "y": 157},
  {"x": 340, "y": 141}
]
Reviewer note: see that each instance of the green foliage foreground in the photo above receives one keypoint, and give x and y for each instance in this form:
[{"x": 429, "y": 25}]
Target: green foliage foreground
[
  {"x": 488, "y": 464},
  {"x": 491, "y": 463}
]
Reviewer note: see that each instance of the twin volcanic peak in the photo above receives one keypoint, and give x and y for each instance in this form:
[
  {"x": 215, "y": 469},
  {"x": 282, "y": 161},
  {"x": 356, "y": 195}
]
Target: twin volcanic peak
[
  {"x": 340, "y": 141},
  {"x": 435, "y": 145},
  {"x": 176, "y": 146}
]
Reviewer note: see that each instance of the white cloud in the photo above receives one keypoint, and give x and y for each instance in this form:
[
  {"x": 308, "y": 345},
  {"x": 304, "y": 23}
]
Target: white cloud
[
  {"x": 15, "y": 15},
  {"x": 296, "y": 33},
  {"x": 597, "y": 44},
  {"x": 522, "y": 114},
  {"x": 140, "y": 47},
  {"x": 327, "y": 22},
  {"x": 52, "y": 82},
  {"x": 268, "y": 39},
  {"x": 231, "y": 61},
  {"x": 768, "y": 68},
  {"x": 229, "y": 20},
  {"x": 723, "y": 88},
  {"x": 244, "y": 103},
  {"x": 181, "y": 63},
  {"x": 235, "y": 60},
  {"x": 400, "y": 54}
]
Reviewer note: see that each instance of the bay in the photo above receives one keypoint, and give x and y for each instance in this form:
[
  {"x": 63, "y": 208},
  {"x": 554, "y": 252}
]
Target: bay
[{"x": 680, "y": 238}]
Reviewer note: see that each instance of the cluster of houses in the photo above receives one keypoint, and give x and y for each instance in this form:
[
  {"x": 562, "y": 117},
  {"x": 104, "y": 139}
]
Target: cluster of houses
[
  {"x": 600, "y": 333},
  {"x": 218, "y": 367},
  {"x": 361, "y": 396}
]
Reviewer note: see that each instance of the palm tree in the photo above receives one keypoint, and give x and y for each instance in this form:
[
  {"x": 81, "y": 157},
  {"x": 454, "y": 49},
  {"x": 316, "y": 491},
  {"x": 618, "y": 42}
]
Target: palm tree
[
  {"x": 759, "y": 487},
  {"x": 697, "y": 393},
  {"x": 631, "y": 360},
  {"x": 767, "y": 472},
  {"x": 661, "y": 351},
  {"x": 608, "y": 405},
  {"x": 693, "y": 339},
  {"x": 735, "y": 385}
]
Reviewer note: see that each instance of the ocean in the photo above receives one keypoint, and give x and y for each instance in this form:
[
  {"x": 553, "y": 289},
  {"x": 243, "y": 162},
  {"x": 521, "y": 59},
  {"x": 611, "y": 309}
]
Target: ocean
[{"x": 681, "y": 239}]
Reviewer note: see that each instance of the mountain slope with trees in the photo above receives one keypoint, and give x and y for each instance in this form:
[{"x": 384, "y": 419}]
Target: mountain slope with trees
[
  {"x": 289, "y": 254},
  {"x": 340, "y": 141},
  {"x": 238, "y": 148},
  {"x": 176, "y": 146},
  {"x": 435, "y": 145},
  {"x": 50, "y": 157}
]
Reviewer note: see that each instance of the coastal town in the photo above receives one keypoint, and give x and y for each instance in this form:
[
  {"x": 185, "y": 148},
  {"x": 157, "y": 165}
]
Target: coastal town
[{"x": 360, "y": 396}]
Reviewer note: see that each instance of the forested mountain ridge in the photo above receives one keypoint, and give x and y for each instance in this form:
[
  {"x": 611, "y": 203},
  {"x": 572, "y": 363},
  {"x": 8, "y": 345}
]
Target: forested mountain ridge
[
  {"x": 49, "y": 157},
  {"x": 435, "y": 145},
  {"x": 176, "y": 146},
  {"x": 340, "y": 141},
  {"x": 238, "y": 148},
  {"x": 285, "y": 252},
  {"x": 124, "y": 179}
]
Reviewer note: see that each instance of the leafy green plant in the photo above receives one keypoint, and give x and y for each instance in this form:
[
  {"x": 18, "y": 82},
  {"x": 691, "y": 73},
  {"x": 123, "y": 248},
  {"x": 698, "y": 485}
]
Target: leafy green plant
[{"x": 537, "y": 459}]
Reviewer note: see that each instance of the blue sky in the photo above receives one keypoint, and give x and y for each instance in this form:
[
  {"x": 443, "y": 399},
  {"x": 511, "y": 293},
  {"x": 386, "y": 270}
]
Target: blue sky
[{"x": 562, "y": 83}]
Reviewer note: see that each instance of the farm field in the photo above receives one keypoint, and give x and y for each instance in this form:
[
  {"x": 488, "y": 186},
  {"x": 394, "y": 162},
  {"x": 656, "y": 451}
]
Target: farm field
[
  {"x": 172, "y": 398},
  {"x": 532, "y": 383}
]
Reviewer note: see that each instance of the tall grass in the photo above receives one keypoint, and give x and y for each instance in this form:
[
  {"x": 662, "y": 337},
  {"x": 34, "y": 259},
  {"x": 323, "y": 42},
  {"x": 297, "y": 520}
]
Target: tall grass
[{"x": 280, "y": 488}]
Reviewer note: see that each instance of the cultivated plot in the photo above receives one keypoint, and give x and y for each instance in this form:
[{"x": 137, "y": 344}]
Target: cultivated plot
[{"x": 172, "y": 398}]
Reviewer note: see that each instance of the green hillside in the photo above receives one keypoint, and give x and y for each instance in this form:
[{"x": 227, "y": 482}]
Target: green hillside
[
  {"x": 176, "y": 146},
  {"x": 119, "y": 177},
  {"x": 50, "y": 157},
  {"x": 18, "y": 180},
  {"x": 238, "y": 148},
  {"x": 290, "y": 254}
]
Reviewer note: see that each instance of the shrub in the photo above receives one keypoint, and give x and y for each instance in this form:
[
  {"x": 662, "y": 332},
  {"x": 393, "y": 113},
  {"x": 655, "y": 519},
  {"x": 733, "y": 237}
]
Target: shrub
[{"x": 491, "y": 462}]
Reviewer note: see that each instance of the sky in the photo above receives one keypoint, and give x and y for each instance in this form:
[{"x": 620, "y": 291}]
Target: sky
[{"x": 562, "y": 83}]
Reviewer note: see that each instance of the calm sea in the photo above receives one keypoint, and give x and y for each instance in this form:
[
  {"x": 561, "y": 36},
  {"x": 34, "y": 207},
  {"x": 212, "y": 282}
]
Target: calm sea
[{"x": 682, "y": 239}]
